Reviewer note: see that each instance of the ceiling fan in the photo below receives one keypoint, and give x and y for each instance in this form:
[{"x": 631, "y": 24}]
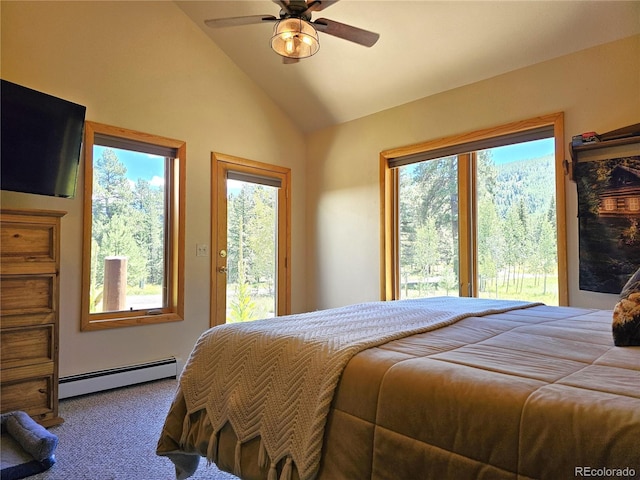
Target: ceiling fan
[{"x": 295, "y": 35}]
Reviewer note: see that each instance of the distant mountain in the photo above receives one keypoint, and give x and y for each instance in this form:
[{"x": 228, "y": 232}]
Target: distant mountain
[{"x": 528, "y": 180}]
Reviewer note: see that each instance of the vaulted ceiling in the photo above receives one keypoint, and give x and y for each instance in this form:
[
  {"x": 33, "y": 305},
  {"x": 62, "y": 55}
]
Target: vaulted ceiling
[{"x": 425, "y": 47}]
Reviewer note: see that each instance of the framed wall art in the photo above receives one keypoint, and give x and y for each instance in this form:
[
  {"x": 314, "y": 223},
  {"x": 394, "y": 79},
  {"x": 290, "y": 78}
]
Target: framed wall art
[{"x": 608, "y": 219}]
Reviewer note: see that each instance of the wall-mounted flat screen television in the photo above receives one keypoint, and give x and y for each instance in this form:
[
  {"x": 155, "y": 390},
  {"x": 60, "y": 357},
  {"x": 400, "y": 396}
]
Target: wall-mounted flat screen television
[{"x": 40, "y": 141}]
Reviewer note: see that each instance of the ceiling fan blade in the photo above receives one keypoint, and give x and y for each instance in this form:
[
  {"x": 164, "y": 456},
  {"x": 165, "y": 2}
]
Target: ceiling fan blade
[
  {"x": 236, "y": 21},
  {"x": 317, "y": 5},
  {"x": 346, "y": 32}
]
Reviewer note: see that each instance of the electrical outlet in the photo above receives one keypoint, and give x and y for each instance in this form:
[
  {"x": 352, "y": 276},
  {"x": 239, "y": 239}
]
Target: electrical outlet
[{"x": 202, "y": 250}]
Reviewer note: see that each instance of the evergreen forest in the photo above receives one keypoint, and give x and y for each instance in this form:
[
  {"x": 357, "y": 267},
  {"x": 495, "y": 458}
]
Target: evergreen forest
[
  {"x": 128, "y": 221},
  {"x": 515, "y": 228},
  {"x": 251, "y": 252},
  {"x": 516, "y": 234}
]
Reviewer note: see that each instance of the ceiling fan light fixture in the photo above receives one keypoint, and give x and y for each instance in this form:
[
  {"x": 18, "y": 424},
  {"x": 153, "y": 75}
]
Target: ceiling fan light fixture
[{"x": 294, "y": 38}]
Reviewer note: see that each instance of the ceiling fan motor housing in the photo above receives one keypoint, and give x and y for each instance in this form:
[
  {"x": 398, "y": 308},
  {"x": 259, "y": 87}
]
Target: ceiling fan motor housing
[{"x": 296, "y": 9}]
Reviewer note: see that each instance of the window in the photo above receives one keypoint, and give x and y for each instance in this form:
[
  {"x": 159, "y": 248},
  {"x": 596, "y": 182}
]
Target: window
[
  {"x": 133, "y": 250},
  {"x": 610, "y": 204},
  {"x": 462, "y": 217},
  {"x": 634, "y": 203}
]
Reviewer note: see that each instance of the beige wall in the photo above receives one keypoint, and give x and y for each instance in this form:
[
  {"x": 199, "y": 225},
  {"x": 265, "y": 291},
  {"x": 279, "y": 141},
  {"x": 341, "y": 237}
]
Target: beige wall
[
  {"x": 146, "y": 66},
  {"x": 597, "y": 89}
]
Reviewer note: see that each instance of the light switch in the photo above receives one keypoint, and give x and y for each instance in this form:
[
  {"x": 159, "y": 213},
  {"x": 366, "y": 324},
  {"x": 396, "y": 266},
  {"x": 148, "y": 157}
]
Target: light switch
[{"x": 202, "y": 250}]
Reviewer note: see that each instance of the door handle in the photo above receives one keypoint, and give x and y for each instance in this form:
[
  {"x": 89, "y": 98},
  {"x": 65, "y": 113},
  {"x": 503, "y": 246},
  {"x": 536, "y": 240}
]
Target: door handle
[{"x": 222, "y": 269}]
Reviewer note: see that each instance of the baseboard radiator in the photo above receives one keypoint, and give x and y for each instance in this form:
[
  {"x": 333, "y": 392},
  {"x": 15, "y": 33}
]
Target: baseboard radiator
[{"x": 92, "y": 382}]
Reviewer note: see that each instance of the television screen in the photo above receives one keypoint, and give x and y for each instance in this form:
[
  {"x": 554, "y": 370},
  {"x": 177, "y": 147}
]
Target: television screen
[{"x": 40, "y": 141}]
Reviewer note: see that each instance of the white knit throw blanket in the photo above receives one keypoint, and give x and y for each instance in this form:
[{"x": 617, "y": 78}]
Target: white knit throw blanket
[{"x": 275, "y": 378}]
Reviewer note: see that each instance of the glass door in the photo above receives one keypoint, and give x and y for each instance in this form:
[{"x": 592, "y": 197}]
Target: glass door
[
  {"x": 516, "y": 222},
  {"x": 252, "y": 236},
  {"x": 428, "y": 220},
  {"x": 250, "y": 266},
  {"x": 490, "y": 233}
]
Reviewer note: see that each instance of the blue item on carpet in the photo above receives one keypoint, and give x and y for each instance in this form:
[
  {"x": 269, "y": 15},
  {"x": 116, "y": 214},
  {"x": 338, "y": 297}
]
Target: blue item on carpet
[{"x": 27, "y": 447}]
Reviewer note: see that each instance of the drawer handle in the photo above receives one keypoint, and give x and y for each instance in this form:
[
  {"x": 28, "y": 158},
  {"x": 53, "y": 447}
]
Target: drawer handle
[{"x": 42, "y": 390}]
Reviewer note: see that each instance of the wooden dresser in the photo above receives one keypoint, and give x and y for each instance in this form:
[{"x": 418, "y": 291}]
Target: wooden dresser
[{"x": 29, "y": 299}]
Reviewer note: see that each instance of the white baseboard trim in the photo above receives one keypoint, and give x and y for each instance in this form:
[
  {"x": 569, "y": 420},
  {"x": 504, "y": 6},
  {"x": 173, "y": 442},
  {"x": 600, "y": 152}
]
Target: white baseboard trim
[{"x": 92, "y": 382}]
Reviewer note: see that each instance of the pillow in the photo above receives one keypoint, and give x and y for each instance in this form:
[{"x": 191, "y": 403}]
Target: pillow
[
  {"x": 33, "y": 438},
  {"x": 626, "y": 314}
]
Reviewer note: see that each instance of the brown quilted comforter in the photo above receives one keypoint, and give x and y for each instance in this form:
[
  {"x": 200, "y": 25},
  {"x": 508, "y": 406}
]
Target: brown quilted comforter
[{"x": 539, "y": 393}]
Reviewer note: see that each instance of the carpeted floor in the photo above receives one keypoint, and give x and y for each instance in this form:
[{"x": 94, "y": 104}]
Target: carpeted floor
[{"x": 112, "y": 436}]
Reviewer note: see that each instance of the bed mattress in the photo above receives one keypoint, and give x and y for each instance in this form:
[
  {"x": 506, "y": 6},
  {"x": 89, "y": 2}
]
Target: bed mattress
[{"x": 536, "y": 393}]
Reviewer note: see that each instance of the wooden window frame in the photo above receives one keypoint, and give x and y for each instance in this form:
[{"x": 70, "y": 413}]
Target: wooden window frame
[
  {"x": 174, "y": 310},
  {"x": 389, "y": 212}
]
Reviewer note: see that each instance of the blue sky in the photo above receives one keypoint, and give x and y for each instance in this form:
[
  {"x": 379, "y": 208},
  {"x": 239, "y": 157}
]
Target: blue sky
[
  {"x": 139, "y": 165},
  {"x": 151, "y": 167},
  {"x": 523, "y": 151}
]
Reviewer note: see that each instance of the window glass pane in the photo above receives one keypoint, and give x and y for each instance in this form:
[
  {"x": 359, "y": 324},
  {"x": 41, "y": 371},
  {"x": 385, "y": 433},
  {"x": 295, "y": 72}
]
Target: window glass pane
[
  {"x": 428, "y": 220},
  {"x": 251, "y": 250},
  {"x": 128, "y": 231},
  {"x": 516, "y": 224}
]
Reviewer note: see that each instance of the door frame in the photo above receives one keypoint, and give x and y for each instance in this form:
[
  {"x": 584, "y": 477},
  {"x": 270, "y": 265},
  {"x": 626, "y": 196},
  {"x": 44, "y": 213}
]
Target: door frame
[{"x": 220, "y": 165}]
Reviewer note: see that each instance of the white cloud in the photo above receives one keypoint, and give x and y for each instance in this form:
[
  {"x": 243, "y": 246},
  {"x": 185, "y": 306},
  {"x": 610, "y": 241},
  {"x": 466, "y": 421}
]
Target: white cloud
[
  {"x": 234, "y": 184},
  {"x": 157, "y": 181}
]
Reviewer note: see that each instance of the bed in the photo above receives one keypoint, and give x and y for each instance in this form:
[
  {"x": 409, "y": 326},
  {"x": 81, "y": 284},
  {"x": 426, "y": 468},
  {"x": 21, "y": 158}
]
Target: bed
[{"x": 486, "y": 390}]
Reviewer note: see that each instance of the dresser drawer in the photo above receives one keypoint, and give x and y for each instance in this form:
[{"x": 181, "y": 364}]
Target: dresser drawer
[
  {"x": 22, "y": 294},
  {"x": 31, "y": 395},
  {"x": 27, "y": 243},
  {"x": 30, "y": 243},
  {"x": 26, "y": 346}
]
